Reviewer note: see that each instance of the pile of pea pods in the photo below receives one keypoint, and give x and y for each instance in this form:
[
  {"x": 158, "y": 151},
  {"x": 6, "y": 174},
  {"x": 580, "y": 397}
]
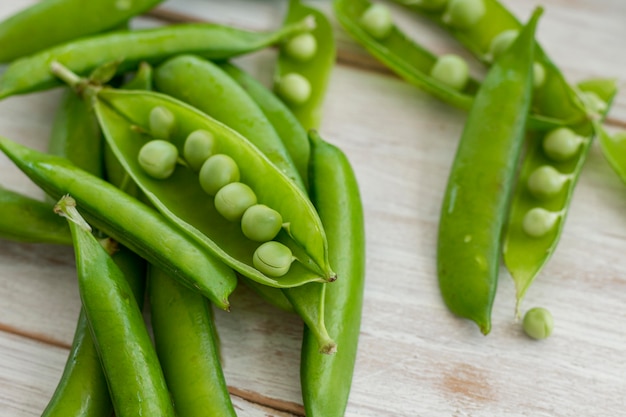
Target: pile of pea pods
[
  {"x": 180, "y": 190},
  {"x": 513, "y": 206}
]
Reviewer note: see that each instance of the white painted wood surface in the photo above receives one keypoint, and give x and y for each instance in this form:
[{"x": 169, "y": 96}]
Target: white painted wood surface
[{"x": 415, "y": 358}]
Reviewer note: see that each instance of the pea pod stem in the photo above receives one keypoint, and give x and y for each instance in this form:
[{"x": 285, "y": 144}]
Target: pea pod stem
[{"x": 475, "y": 203}]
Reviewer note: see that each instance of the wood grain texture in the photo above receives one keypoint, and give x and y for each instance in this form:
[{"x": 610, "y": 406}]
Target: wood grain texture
[{"x": 415, "y": 358}]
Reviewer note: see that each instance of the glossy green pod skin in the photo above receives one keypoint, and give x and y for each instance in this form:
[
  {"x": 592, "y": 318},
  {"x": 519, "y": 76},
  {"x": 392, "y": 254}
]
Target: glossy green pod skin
[
  {"x": 555, "y": 100},
  {"x": 476, "y": 200},
  {"x": 129, "y": 361},
  {"x": 219, "y": 96},
  {"x": 51, "y": 22},
  {"x": 151, "y": 45},
  {"x": 187, "y": 346},
  {"x": 76, "y": 135},
  {"x": 316, "y": 70},
  {"x": 128, "y": 221},
  {"x": 525, "y": 256},
  {"x": 184, "y": 202},
  {"x": 288, "y": 127},
  {"x": 326, "y": 379},
  {"x": 614, "y": 150},
  {"x": 25, "y": 219},
  {"x": 142, "y": 79},
  {"x": 83, "y": 390}
]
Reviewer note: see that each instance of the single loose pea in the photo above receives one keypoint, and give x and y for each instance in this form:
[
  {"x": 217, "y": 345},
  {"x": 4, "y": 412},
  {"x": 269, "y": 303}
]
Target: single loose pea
[
  {"x": 451, "y": 70},
  {"x": 501, "y": 43},
  {"x": 538, "y": 222},
  {"x": 199, "y": 146},
  {"x": 158, "y": 158},
  {"x": 593, "y": 102},
  {"x": 561, "y": 144},
  {"x": 233, "y": 199},
  {"x": 546, "y": 181},
  {"x": 432, "y": 5},
  {"x": 294, "y": 88},
  {"x": 261, "y": 223},
  {"x": 273, "y": 259},
  {"x": 216, "y": 172},
  {"x": 302, "y": 47},
  {"x": 463, "y": 14},
  {"x": 162, "y": 122},
  {"x": 377, "y": 21},
  {"x": 539, "y": 75},
  {"x": 538, "y": 323}
]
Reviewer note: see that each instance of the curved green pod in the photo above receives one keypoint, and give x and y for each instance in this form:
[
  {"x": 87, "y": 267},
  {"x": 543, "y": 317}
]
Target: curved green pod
[
  {"x": 83, "y": 390},
  {"x": 128, "y": 221},
  {"x": 134, "y": 376},
  {"x": 25, "y": 219},
  {"x": 220, "y": 97},
  {"x": 124, "y": 115},
  {"x": 525, "y": 255},
  {"x": 475, "y": 203},
  {"x": 187, "y": 346},
  {"x": 326, "y": 379},
  {"x": 293, "y": 135},
  {"x": 51, "y": 22},
  {"x": 316, "y": 69},
  {"x": 132, "y": 47}
]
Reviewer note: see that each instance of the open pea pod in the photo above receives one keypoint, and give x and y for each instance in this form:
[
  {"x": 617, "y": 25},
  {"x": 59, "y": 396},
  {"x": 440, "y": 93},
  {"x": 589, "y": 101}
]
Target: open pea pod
[
  {"x": 539, "y": 208},
  {"x": 316, "y": 69},
  {"x": 554, "y": 102},
  {"x": 124, "y": 115}
]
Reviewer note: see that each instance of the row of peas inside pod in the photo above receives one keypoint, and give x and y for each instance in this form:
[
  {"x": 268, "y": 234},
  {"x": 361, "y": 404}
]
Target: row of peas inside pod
[
  {"x": 450, "y": 69},
  {"x": 219, "y": 177}
]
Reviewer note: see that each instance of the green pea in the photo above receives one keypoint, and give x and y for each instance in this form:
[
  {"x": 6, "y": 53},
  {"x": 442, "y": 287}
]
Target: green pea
[
  {"x": 294, "y": 88},
  {"x": 593, "y": 102},
  {"x": 233, "y": 199},
  {"x": 377, "y": 21},
  {"x": 216, "y": 172},
  {"x": 539, "y": 221},
  {"x": 261, "y": 223},
  {"x": 538, "y": 323},
  {"x": 199, "y": 146},
  {"x": 501, "y": 43},
  {"x": 561, "y": 144},
  {"x": 158, "y": 158},
  {"x": 161, "y": 123},
  {"x": 463, "y": 14},
  {"x": 273, "y": 259},
  {"x": 302, "y": 47},
  {"x": 451, "y": 70},
  {"x": 539, "y": 75},
  {"x": 546, "y": 181},
  {"x": 432, "y": 5}
]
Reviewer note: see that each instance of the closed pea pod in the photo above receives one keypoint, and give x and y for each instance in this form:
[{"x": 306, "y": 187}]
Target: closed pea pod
[
  {"x": 151, "y": 45},
  {"x": 474, "y": 207},
  {"x": 303, "y": 84},
  {"x": 128, "y": 221},
  {"x": 134, "y": 376}
]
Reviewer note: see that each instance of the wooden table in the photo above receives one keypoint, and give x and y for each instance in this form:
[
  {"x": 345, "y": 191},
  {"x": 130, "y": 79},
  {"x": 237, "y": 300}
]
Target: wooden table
[{"x": 415, "y": 358}]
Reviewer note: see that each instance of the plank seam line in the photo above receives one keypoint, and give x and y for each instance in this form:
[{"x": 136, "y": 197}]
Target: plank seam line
[
  {"x": 276, "y": 404},
  {"x": 38, "y": 337}
]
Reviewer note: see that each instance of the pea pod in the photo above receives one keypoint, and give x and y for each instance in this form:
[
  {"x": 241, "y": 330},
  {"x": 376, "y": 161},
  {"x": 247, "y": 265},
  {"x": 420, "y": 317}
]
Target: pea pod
[
  {"x": 132, "y": 47},
  {"x": 25, "y": 219},
  {"x": 475, "y": 203},
  {"x": 293, "y": 135},
  {"x": 128, "y": 221},
  {"x": 614, "y": 150},
  {"x": 310, "y": 56},
  {"x": 525, "y": 255},
  {"x": 186, "y": 342},
  {"x": 182, "y": 199},
  {"x": 51, "y": 22},
  {"x": 554, "y": 100},
  {"x": 217, "y": 95},
  {"x": 134, "y": 377},
  {"x": 326, "y": 380},
  {"x": 82, "y": 390}
]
